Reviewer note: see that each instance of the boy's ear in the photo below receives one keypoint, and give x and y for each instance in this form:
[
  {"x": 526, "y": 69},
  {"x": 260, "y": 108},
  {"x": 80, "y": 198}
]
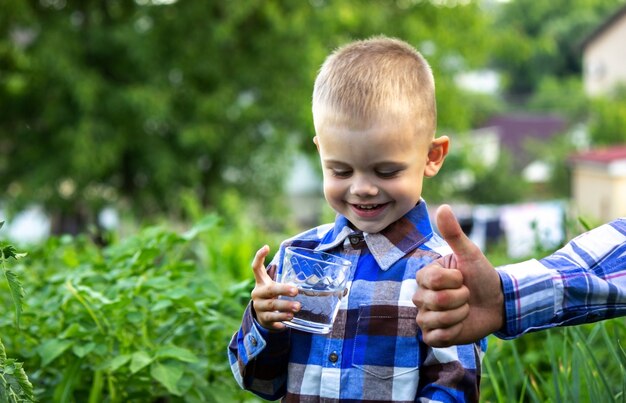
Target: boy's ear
[
  {"x": 436, "y": 154},
  {"x": 317, "y": 143}
]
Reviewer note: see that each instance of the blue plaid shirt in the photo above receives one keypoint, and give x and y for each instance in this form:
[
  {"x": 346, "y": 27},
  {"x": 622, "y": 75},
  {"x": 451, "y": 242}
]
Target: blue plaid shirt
[
  {"x": 583, "y": 282},
  {"x": 374, "y": 351}
]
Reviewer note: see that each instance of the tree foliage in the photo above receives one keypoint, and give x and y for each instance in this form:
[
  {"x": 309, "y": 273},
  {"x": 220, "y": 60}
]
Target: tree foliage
[
  {"x": 544, "y": 38},
  {"x": 609, "y": 119},
  {"x": 141, "y": 104},
  {"x": 133, "y": 103}
]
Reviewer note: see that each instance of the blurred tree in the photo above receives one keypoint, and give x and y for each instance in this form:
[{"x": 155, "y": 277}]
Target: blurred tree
[
  {"x": 555, "y": 152},
  {"x": 500, "y": 184},
  {"x": 133, "y": 103},
  {"x": 608, "y": 119},
  {"x": 543, "y": 38},
  {"x": 564, "y": 96}
]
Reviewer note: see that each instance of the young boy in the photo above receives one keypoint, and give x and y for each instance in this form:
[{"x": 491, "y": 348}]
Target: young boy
[{"x": 375, "y": 119}]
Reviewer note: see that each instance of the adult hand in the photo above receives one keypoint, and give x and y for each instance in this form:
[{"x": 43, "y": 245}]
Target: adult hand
[
  {"x": 459, "y": 296},
  {"x": 271, "y": 311}
]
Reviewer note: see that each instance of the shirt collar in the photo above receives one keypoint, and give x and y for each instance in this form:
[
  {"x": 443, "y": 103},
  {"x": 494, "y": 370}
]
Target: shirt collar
[{"x": 390, "y": 244}]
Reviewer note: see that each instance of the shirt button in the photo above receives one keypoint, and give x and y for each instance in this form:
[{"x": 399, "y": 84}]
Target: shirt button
[
  {"x": 354, "y": 239},
  {"x": 333, "y": 357},
  {"x": 253, "y": 341}
]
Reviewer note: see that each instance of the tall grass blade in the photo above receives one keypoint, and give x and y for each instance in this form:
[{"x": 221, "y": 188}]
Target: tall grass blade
[
  {"x": 519, "y": 365},
  {"x": 591, "y": 353},
  {"x": 493, "y": 379},
  {"x": 554, "y": 366}
]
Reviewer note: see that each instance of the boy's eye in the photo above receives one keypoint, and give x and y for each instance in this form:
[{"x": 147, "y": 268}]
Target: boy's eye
[
  {"x": 341, "y": 173},
  {"x": 387, "y": 174}
]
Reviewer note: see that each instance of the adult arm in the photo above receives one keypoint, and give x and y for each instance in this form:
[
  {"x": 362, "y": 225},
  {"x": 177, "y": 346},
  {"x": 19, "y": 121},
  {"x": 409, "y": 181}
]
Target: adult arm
[
  {"x": 460, "y": 298},
  {"x": 583, "y": 282}
]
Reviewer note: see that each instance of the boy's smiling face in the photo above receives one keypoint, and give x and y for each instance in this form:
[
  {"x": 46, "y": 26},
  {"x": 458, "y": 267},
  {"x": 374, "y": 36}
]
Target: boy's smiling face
[{"x": 374, "y": 176}]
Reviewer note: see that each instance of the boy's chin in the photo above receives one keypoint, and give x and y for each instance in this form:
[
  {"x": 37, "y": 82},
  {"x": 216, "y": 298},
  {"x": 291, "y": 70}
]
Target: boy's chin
[{"x": 370, "y": 227}]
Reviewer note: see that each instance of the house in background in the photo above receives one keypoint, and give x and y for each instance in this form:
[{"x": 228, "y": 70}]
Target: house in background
[
  {"x": 517, "y": 130},
  {"x": 604, "y": 55},
  {"x": 599, "y": 175},
  {"x": 514, "y": 134},
  {"x": 599, "y": 183}
]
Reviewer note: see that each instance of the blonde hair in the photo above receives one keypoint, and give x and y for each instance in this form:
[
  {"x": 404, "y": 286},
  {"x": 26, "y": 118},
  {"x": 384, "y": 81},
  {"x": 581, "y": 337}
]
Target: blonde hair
[{"x": 373, "y": 79}]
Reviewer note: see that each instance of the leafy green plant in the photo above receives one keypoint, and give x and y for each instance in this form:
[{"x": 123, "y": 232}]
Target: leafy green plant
[
  {"x": 145, "y": 319},
  {"x": 14, "y": 383}
]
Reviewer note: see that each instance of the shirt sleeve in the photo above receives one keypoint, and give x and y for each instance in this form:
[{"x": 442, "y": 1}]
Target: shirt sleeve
[
  {"x": 452, "y": 374},
  {"x": 583, "y": 282},
  {"x": 258, "y": 357}
]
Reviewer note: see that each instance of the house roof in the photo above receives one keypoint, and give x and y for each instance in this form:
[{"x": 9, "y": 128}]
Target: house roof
[
  {"x": 515, "y": 130},
  {"x": 600, "y": 29},
  {"x": 605, "y": 155}
]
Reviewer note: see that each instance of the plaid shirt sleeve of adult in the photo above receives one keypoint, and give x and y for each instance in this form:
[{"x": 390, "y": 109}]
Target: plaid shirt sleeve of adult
[{"x": 583, "y": 282}]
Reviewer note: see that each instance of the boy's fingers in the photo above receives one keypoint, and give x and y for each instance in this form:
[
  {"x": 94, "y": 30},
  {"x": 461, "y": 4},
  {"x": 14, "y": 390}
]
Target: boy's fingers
[
  {"x": 258, "y": 266},
  {"x": 278, "y": 306},
  {"x": 271, "y": 289}
]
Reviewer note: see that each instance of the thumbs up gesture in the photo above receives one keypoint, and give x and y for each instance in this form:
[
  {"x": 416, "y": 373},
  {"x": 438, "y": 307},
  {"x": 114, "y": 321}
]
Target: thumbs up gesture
[{"x": 459, "y": 296}]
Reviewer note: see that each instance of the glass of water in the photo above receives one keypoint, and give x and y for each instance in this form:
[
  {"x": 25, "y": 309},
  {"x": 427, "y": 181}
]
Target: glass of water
[{"x": 321, "y": 281}]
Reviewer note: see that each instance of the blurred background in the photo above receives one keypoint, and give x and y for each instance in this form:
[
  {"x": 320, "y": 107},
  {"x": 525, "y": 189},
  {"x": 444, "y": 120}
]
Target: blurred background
[
  {"x": 117, "y": 116},
  {"x": 117, "y": 113}
]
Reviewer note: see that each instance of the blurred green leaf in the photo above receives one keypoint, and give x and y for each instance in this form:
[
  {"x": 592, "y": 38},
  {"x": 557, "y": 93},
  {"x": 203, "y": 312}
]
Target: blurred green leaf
[
  {"x": 84, "y": 349},
  {"x": 51, "y": 349},
  {"x": 177, "y": 353},
  {"x": 168, "y": 376},
  {"x": 205, "y": 224},
  {"x": 140, "y": 360},
  {"x": 115, "y": 363}
]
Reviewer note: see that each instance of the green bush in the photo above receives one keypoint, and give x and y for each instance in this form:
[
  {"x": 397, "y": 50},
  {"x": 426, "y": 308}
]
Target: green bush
[{"x": 145, "y": 319}]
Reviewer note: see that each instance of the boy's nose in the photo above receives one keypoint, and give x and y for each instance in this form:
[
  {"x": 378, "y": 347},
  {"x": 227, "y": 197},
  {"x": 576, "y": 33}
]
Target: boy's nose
[{"x": 363, "y": 187}]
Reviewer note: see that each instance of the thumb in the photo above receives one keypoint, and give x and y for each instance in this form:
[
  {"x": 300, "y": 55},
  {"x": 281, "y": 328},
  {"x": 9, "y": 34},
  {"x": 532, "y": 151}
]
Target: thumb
[
  {"x": 451, "y": 231},
  {"x": 258, "y": 268}
]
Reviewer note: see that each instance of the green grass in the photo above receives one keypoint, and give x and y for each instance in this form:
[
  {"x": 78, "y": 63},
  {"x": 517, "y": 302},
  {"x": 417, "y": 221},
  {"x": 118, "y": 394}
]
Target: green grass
[{"x": 571, "y": 364}]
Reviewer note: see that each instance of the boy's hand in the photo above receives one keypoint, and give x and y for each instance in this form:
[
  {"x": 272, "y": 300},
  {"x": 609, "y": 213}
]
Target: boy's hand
[{"x": 271, "y": 311}]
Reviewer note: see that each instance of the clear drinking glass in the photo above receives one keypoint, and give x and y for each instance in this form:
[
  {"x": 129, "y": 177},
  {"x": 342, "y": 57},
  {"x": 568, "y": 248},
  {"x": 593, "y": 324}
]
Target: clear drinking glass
[{"x": 321, "y": 281}]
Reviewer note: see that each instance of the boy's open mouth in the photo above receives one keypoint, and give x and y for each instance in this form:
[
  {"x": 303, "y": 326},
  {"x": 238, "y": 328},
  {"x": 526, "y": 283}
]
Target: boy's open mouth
[
  {"x": 368, "y": 210},
  {"x": 368, "y": 206}
]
